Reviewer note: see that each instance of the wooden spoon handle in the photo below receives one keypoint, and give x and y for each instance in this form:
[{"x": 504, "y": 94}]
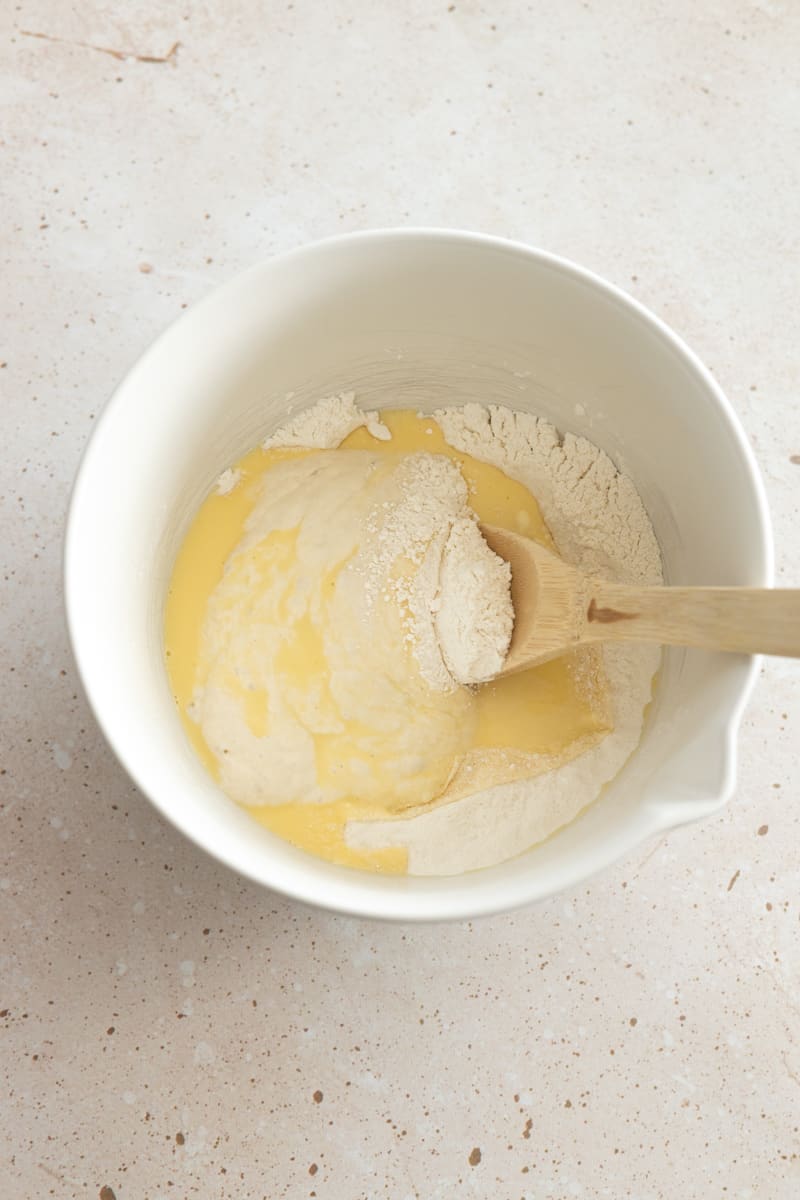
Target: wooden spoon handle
[{"x": 748, "y": 620}]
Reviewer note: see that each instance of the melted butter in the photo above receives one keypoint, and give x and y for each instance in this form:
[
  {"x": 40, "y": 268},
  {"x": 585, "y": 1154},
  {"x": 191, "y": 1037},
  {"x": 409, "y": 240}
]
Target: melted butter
[
  {"x": 319, "y": 828},
  {"x": 215, "y": 531},
  {"x": 539, "y": 712}
]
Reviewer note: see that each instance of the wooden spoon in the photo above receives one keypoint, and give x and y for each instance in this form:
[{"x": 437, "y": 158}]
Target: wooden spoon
[{"x": 557, "y": 607}]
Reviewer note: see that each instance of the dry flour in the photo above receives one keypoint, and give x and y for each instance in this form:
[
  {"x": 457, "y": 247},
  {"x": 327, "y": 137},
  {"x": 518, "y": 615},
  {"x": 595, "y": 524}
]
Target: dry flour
[{"x": 327, "y": 423}]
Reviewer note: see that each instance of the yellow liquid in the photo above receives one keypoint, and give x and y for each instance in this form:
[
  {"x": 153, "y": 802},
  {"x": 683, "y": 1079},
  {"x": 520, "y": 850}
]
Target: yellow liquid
[{"x": 544, "y": 711}]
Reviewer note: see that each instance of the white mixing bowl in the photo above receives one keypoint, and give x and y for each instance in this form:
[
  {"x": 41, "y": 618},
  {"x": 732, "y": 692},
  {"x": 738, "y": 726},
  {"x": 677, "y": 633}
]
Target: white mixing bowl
[{"x": 418, "y": 318}]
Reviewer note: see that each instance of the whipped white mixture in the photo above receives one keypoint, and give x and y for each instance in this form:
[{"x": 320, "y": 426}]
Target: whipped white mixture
[{"x": 334, "y": 649}]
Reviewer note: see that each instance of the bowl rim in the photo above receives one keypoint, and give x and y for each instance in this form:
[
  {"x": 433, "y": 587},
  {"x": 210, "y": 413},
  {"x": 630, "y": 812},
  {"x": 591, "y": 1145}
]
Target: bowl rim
[{"x": 420, "y": 898}]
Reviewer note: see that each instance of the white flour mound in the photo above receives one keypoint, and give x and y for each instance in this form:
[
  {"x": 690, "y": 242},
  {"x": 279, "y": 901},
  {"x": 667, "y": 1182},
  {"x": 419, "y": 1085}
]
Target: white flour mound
[
  {"x": 599, "y": 523},
  {"x": 458, "y": 635},
  {"x": 327, "y": 423}
]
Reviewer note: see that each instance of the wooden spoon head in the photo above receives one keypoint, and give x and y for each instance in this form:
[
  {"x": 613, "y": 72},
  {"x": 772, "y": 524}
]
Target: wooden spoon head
[{"x": 547, "y": 595}]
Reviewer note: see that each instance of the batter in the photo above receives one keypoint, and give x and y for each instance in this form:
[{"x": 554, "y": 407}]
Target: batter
[{"x": 331, "y": 618}]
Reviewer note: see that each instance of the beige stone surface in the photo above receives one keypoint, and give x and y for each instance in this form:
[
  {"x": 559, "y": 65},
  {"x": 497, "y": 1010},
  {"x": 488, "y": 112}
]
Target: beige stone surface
[{"x": 170, "y": 1031}]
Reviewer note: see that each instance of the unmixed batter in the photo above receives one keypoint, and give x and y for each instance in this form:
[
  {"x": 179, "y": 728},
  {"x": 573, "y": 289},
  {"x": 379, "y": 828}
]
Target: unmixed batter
[{"x": 334, "y": 606}]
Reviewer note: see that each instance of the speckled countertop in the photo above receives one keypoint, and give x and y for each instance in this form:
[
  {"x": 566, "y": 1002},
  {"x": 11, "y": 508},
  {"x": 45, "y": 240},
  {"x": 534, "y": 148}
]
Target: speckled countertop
[{"x": 170, "y": 1031}]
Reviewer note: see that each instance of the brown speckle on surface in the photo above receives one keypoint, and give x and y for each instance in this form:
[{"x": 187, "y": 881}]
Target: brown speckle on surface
[
  {"x": 110, "y": 1030},
  {"x": 180, "y": 1139},
  {"x": 312, "y": 1170},
  {"x": 795, "y": 458},
  {"x": 145, "y": 268},
  {"x": 474, "y": 1156},
  {"x": 633, "y": 1021},
  {"x": 762, "y": 830},
  {"x": 733, "y": 879},
  {"x": 107, "y": 1193},
  {"x": 318, "y": 1097},
  {"x": 526, "y": 1133}
]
